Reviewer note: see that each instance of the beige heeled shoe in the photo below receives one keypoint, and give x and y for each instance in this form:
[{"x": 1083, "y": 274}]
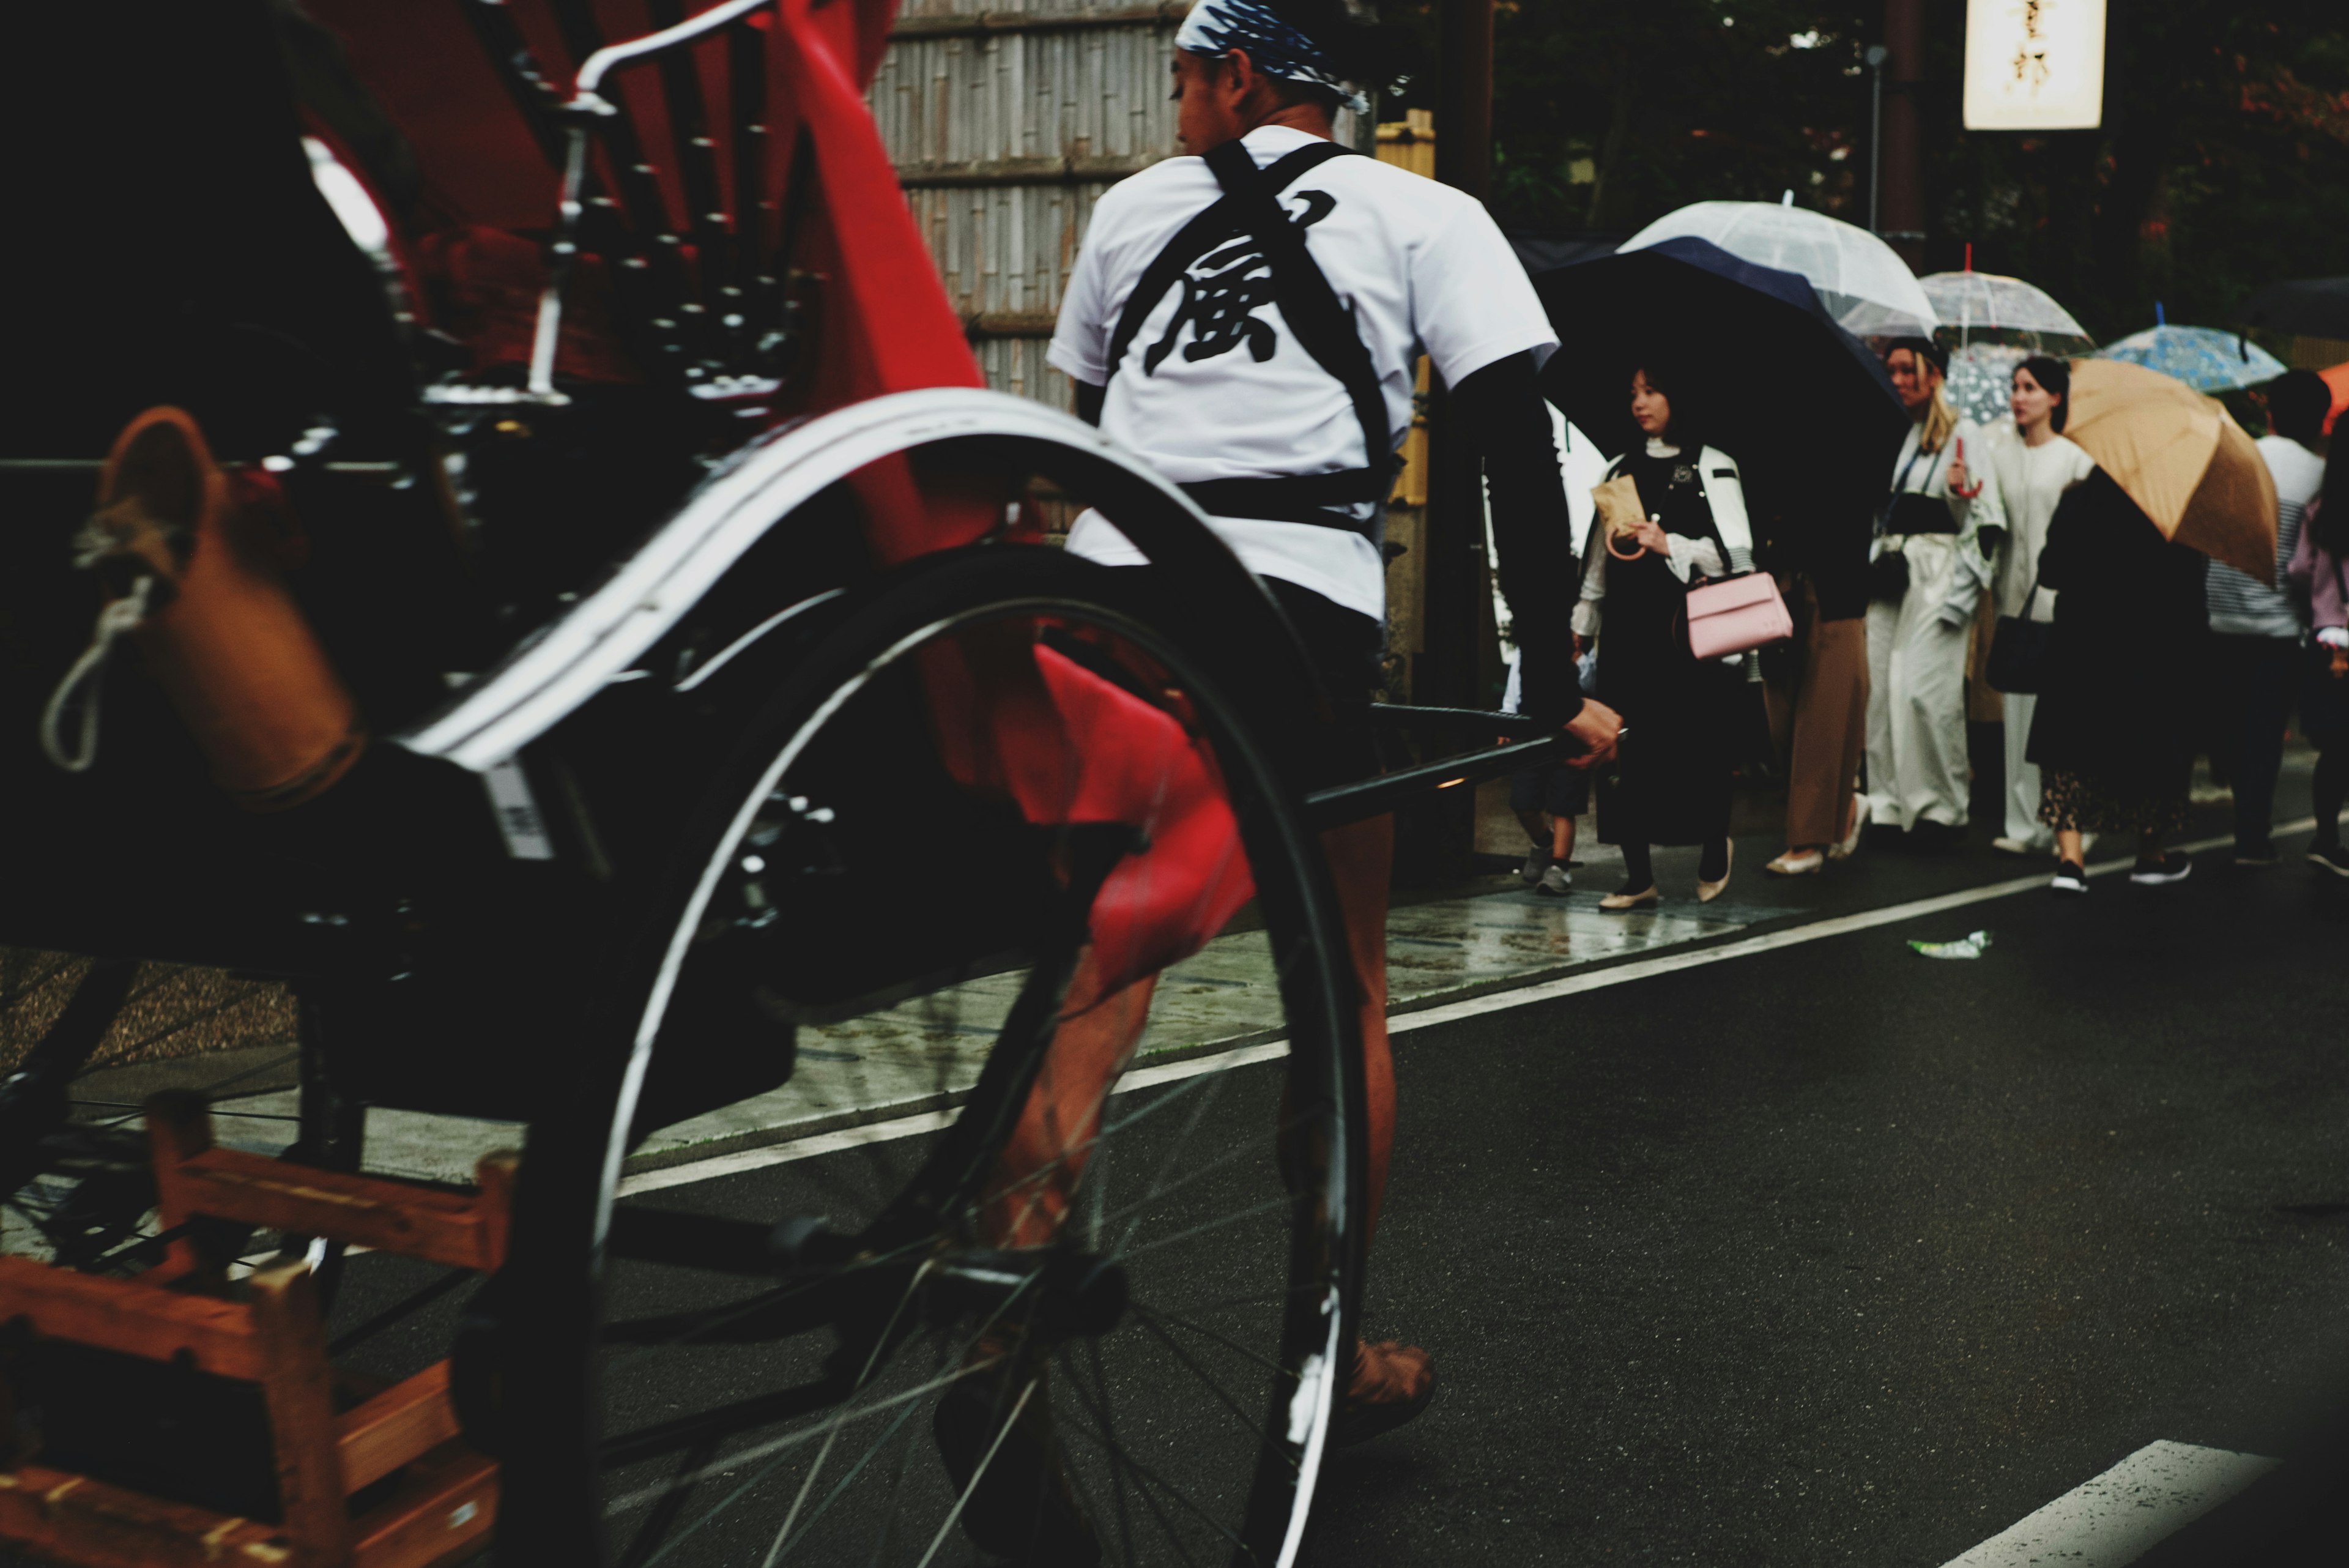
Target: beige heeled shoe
[
  {"x": 1796, "y": 863},
  {"x": 1850, "y": 845},
  {"x": 1706, "y": 892},
  {"x": 1645, "y": 897}
]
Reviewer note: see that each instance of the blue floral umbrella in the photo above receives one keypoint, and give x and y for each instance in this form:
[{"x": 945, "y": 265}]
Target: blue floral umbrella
[{"x": 2204, "y": 357}]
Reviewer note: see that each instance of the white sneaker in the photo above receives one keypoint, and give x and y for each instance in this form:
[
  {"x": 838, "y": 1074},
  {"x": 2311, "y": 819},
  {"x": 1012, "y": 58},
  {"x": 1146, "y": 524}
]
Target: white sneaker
[
  {"x": 1536, "y": 864},
  {"x": 1556, "y": 880},
  {"x": 2170, "y": 867},
  {"x": 2017, "y": 847}
]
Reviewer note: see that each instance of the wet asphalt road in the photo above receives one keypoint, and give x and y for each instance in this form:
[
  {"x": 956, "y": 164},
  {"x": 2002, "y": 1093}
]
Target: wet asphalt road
[{"x": 1839, "y": 1254}]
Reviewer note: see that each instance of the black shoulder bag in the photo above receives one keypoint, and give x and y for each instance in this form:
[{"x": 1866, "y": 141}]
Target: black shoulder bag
[{"x": 2018, "y": 648}]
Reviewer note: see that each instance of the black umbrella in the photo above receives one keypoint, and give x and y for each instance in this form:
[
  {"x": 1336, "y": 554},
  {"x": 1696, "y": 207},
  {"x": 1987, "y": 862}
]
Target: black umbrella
[
  {"x": 1801, "y": 404},
  {"x": 2307, "y": 308}
]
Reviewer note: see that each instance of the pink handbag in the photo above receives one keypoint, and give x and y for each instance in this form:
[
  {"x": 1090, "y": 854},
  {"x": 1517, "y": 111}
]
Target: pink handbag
[{"x": 1736, "y": 614}]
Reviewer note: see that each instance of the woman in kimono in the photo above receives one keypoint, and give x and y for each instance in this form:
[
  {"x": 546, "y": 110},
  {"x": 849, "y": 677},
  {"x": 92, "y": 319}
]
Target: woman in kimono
[
  {"x": 1931, "y": 562},
  {"x": 1672, "y": 783}
]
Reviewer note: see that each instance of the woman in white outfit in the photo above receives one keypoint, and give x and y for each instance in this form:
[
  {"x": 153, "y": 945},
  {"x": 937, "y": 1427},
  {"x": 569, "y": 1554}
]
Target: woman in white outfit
[
  {"x": 1931, "y": 566},
  {"x": 2031, "y": 475}
]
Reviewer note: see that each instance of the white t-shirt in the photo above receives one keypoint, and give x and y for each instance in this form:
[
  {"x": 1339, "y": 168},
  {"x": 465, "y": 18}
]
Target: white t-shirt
[{"x": 1233, "y": 396}]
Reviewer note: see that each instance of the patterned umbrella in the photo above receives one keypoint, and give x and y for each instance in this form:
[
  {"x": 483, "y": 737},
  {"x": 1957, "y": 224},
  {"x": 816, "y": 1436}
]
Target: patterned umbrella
[
  {"x": 1981, "y": 376},
  {"x": 2204, "y": 357}
]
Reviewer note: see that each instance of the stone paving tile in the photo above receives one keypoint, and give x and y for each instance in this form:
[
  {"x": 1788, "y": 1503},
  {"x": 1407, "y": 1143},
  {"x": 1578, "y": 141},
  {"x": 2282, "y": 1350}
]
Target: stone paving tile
[{"x": 924, "y": 1054}]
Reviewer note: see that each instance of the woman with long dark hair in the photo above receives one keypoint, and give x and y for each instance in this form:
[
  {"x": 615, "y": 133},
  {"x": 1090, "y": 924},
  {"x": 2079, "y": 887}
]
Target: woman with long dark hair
[
  {"x": 2319, "y": 576},
  {"x": 2131, "y": 632},
  {"x": 2031, "y": 475},
  {"x": 1672, "y": 785}
]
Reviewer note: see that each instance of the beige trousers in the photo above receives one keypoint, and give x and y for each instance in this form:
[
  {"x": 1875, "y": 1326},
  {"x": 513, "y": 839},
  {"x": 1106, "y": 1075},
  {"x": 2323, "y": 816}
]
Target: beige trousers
[{"x": 1819, "y": 722}]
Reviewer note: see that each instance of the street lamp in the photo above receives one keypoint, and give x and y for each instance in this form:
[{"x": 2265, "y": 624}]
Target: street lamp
[{"x": 1876, "y": 56}]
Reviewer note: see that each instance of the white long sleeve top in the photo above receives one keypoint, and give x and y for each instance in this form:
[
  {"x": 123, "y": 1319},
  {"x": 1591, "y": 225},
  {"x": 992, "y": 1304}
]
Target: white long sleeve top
[{"x": 2032, "y": 481}]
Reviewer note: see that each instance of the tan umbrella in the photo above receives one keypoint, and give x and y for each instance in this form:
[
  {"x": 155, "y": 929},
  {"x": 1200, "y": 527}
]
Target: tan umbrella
[{"x": 2181, "y": 457}]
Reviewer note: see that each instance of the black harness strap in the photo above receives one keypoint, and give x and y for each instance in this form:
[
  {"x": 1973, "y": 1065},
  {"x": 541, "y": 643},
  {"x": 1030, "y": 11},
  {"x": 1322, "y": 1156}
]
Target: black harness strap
[{"x": 1324, "y": 329}]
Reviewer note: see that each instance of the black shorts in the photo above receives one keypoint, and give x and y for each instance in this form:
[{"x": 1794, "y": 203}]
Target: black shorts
[
  {"x": 1344, "y": 646},
  {"x": 1553, "y": 787}
]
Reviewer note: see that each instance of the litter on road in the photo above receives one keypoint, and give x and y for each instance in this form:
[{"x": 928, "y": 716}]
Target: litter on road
[{"x": 1971, "y": 946}]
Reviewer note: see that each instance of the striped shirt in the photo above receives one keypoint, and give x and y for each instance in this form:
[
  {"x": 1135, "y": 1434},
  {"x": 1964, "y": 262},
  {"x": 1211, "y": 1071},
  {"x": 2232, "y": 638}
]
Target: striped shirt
[{"x": 2242, "y": 604}]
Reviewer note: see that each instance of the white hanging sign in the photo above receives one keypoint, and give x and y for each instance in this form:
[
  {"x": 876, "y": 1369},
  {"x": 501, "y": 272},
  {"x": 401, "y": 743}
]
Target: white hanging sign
[{"x": 2034, "y": 64}]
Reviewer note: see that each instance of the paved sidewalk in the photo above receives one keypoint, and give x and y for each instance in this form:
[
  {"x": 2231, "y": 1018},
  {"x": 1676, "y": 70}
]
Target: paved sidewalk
[{"x": 1488, "y": 935}]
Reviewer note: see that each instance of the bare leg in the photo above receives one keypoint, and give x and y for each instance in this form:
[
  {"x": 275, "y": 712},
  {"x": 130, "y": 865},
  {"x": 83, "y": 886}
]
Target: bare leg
[
  {"x": 1361, "y": 861},
  {"x": 2068, "y": 846},
  {"x": 1561, "y": 839},
  {"x": 1531, "y": 821},
  {"x": 1048, "y": 1149}
]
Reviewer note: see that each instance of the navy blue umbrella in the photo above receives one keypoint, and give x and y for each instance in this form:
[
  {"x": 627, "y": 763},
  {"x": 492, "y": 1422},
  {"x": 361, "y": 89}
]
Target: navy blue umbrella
[{"x": 1802, "y": 405}]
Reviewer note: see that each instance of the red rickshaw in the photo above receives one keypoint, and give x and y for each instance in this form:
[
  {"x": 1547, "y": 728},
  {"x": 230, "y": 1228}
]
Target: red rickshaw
[{"x": 638, "y": 658}]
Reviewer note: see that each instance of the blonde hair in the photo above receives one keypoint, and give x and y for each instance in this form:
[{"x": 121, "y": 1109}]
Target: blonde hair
[{"x": 1941, "y": 420}]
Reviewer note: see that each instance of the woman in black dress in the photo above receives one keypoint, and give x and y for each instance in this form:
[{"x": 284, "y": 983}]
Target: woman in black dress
[
  {"x": 2131, "y": 635},
  {"x": 1671, "y": 785}
]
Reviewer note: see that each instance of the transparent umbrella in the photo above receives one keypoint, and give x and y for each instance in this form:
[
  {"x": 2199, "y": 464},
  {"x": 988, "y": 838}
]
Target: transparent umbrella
[
  {"x": 1853, "y": 270},
  {"x": 1976, "y": 307},
  {"x": 2204, "y": 357}
]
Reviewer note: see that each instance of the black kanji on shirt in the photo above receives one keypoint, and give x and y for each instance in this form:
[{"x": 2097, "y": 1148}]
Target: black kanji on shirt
[{"x": 1221, "y": 293}]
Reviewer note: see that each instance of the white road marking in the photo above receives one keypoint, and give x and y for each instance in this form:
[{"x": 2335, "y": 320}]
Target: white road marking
[
  {"x": 913, "y": 1126},
  {"x": 1400, "y": 1024},
  {"x": 2122, "y": 1513}
]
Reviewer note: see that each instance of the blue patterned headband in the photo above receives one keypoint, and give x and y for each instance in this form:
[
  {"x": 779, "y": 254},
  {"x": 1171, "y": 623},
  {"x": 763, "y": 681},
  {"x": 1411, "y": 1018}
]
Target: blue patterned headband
[{"x": 1273, "y": 43}]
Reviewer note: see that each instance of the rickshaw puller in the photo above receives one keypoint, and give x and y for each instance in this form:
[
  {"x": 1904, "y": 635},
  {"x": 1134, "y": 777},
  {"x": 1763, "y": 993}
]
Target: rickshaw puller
[{"x": 1275, "y": 388}]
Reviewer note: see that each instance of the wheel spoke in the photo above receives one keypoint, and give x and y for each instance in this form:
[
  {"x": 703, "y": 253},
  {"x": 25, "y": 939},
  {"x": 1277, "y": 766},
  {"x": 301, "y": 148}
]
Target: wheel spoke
[
  {"x": 831, "y": 1434},
  {"x": 1283, "y": 1201},
  {"x": 976, "y": 1476},
  {"x": 1248, "y": 1422},
  {"x": 1205, "y": 1333},
  {"x": 1145, "y": 1479},
  {"x": 646, "y": 1549},
  {"x": 1117, "y": 1476},
  {"x": 1167, "y": 1163},
  {"x": 1168, "y": 1190},
  {"x": 786, "y": 1441}
]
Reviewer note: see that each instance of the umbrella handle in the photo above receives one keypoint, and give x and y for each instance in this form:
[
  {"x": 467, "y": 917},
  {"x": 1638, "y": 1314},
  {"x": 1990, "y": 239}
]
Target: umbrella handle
[
  {"x": 1637, "y": 550},
  {"x": 1960, "y": 491}
]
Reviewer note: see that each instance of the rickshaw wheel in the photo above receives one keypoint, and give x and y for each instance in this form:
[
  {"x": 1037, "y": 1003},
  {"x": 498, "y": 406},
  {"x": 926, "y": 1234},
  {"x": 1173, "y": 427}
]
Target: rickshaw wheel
[{"x": 839, "y": 1349}]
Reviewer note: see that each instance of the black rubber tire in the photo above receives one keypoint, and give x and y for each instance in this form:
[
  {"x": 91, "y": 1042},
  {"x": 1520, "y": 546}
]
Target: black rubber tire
[{"x": 548, "y": 1303}]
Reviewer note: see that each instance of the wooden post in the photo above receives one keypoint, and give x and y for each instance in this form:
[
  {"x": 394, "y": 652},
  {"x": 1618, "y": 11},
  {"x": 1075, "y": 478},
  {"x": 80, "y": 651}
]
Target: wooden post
[{"x": 1903, "y": 175}]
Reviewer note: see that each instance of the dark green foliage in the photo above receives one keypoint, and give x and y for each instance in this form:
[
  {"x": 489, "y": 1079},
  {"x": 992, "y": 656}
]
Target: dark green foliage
[{"x": 2223, "y": 162}]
